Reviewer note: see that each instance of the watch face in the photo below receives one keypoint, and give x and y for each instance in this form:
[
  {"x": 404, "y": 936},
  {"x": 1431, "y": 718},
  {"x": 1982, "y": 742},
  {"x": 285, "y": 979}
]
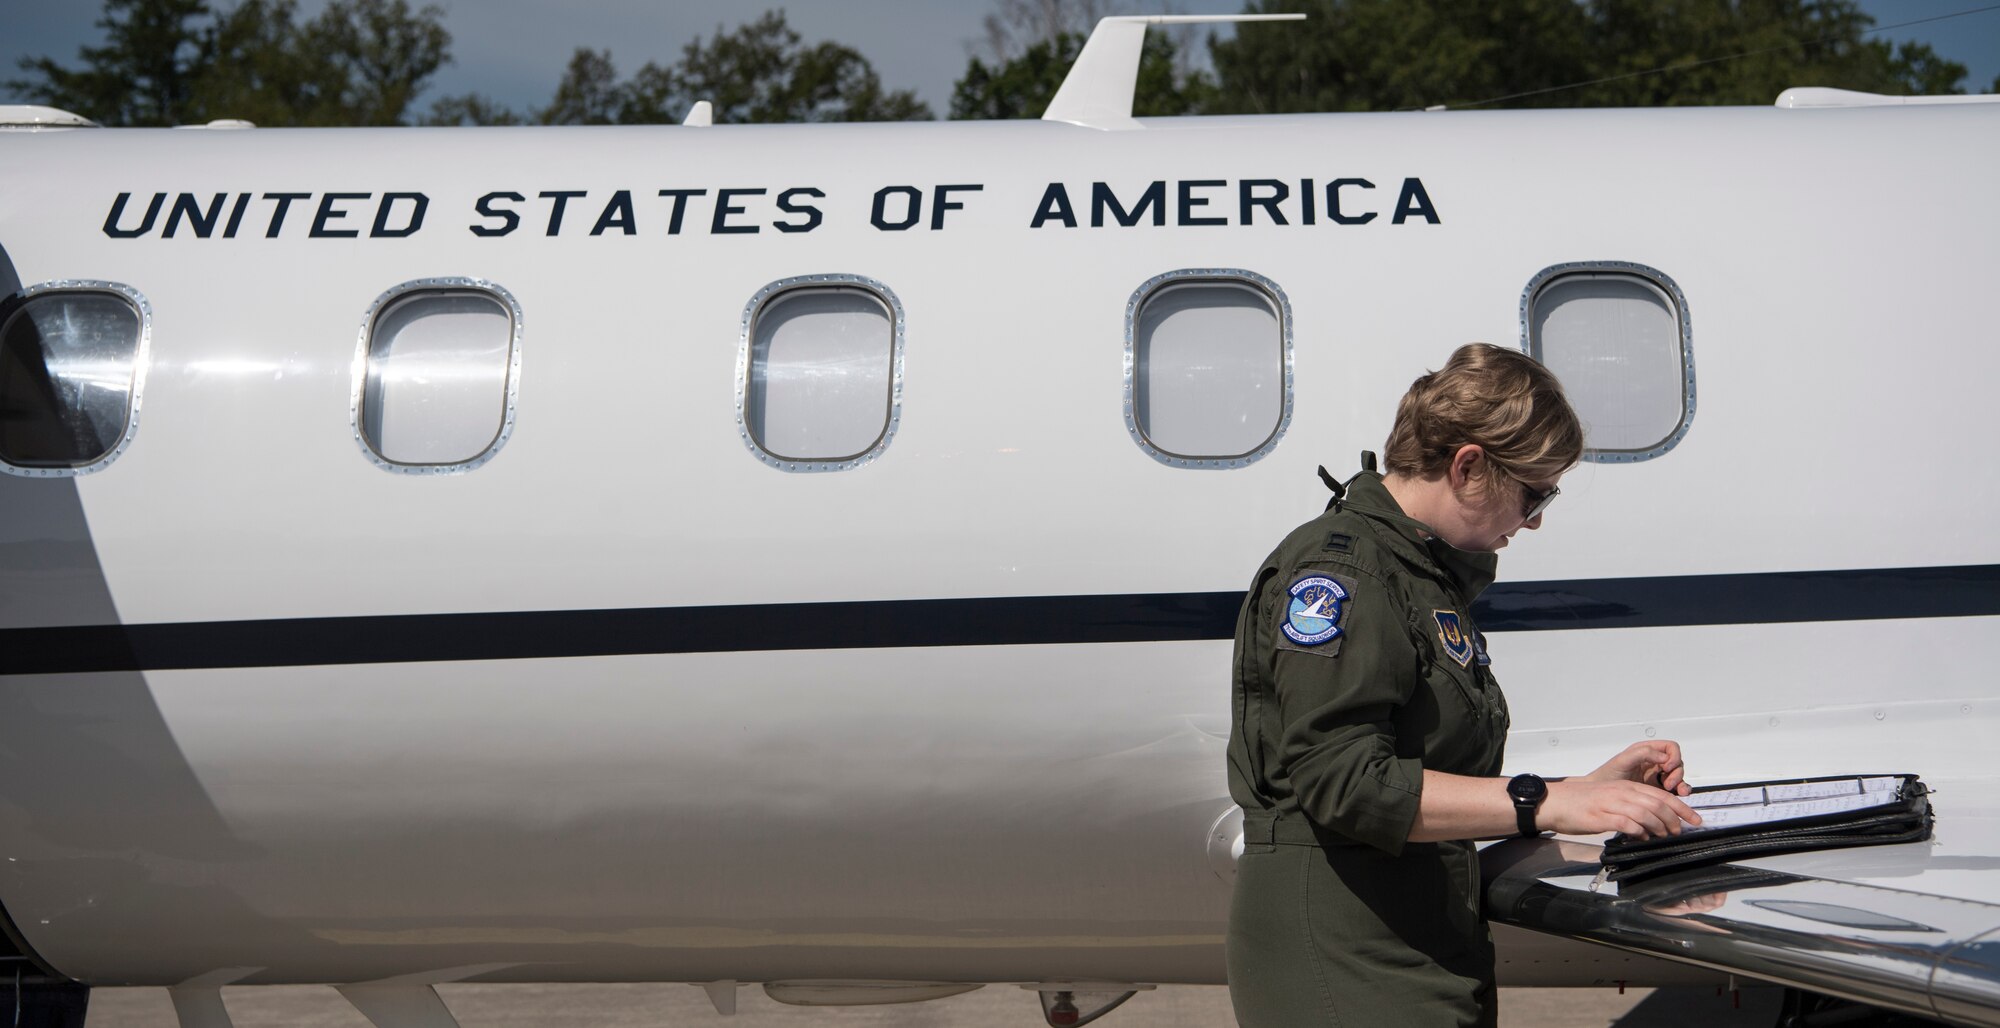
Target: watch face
[{"x": 1527, "y": 788}]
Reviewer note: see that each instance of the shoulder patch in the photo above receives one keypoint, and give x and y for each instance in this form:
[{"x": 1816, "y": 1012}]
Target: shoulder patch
[
  {"x": 1457, "y": 642},
  {"x": 1315, "y": 610}
]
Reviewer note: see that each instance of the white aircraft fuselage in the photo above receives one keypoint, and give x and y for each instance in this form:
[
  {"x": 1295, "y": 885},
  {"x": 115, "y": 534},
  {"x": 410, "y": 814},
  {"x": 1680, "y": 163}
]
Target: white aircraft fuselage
[{"x": 630, "y": 701}]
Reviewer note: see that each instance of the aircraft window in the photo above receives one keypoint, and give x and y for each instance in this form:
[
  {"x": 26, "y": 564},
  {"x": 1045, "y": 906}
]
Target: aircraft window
[
  {"x": 72, "y": 360},
  {"x": 1617, "y": 336},
  {"x": 819, "y": 374},
  {"x": 1208, "y": 367},
  {"x": 441, "y": 362}
]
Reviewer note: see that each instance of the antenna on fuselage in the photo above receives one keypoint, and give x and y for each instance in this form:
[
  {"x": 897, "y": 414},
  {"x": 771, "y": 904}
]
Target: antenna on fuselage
[
  {"x": 701, "y": 115},
  {"x": 1097, "y": 92}
]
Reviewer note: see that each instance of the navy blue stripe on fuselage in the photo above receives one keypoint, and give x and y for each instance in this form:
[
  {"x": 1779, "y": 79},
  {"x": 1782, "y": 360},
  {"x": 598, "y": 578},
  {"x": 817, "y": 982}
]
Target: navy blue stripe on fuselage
[{"x": 1749, "y": 599}]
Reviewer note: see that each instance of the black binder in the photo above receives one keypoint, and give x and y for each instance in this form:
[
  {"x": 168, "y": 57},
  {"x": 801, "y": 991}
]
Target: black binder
[{"x": 1898, "y": 810}]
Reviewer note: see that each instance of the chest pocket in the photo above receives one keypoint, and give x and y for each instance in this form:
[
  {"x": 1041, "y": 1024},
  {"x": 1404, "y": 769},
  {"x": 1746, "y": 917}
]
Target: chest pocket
[
  {"x": 1472, "y": 718},
  {"x": 1438, "y": 656}
]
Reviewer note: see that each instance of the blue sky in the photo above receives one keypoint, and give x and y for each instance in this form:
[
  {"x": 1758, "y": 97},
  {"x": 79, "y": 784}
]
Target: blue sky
[{"x": 514, "y": 50}]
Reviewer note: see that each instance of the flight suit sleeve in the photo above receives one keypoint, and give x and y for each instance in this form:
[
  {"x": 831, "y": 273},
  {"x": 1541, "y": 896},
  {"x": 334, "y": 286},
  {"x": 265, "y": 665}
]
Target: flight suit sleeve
[{"x": 1337, "y": 700}]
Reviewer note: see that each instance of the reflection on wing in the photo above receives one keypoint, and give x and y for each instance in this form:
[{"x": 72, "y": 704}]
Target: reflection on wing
[{"x": 1912, "y": 927}]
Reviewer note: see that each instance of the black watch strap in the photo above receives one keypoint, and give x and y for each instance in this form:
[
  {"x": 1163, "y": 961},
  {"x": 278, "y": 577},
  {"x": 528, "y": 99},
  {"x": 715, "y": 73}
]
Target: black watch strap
[
  {"x": 1524, "y": 817},
  {"x": 1527, "y": 791}
]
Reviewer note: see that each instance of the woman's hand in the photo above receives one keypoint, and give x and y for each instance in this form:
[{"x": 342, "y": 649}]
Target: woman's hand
[
  {"x": 1655, "y": 762},
  {"x": 1586, "y": 806}
]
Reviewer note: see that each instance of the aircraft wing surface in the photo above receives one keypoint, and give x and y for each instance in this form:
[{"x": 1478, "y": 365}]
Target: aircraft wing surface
[{"x": 1913, "y": 927}]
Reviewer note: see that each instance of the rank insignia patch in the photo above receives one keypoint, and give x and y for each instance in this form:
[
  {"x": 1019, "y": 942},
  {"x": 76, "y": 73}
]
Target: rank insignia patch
[
  {"x": 1453, "y": 635},
  {"x": 1313, "y": 617}
]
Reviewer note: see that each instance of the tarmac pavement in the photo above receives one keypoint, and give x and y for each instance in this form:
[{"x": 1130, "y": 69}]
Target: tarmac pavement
[{"x": 996, "y": 1006}]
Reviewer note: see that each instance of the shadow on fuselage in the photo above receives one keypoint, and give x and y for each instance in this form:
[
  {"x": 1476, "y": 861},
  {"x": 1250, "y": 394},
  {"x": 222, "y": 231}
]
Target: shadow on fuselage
[{"x": 89, "y": 770}]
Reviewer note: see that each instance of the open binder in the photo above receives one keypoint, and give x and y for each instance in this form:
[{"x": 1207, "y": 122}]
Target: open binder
[{"x": 1755, "y": 819}]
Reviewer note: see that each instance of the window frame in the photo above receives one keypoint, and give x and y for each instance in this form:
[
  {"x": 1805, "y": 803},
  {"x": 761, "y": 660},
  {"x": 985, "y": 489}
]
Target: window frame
[
  {"x": 359, "y": 373},
  {"x": 746, "y": 342},
  {"x": 141, "y": 361},
  {"x": 1666, "y": 285},
  {"x": 1228, "y": 276}
]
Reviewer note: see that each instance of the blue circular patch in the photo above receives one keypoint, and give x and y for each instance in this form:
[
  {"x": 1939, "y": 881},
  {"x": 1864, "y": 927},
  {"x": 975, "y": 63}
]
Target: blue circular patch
[{"x": 1314, "y": 614}]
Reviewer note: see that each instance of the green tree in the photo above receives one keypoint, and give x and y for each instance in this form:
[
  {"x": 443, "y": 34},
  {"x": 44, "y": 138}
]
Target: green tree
[
  {"x": 1666, "y": 53},
  {"x": 1015, "y": 25},
  {"x": 1030, "y": 46},
  {"x": 1362, "y": 55},
  {"x": 762, "y": 71},
  {"x": 253, "y": 66},
  {"x": 1927, "y": 74},
  {"x": 1401, "y": 54},
  {"x": 143, "y": 73},
  {"x": 588, "y": 94},
  {"x": 1022, "y": 87},
  {"x": 471, "y": 109},
  {"x": 168, "y": 62},
  {"x": 388, "y": 51},
  {"x": 360, "y": 62}
]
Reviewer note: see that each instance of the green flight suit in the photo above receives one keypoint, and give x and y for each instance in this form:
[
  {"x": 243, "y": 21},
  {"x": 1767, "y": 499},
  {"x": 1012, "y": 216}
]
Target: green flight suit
[{"x": 1357, "y": 667}]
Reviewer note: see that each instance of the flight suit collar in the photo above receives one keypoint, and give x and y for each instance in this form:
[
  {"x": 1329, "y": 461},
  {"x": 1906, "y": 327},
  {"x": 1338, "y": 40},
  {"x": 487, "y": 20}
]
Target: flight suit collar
[{"x": 1414, "y": 540}]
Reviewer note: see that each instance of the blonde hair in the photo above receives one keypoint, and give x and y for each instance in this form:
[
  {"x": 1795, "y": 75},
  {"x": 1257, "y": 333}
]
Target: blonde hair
[{"x": 1501, "y": 400}]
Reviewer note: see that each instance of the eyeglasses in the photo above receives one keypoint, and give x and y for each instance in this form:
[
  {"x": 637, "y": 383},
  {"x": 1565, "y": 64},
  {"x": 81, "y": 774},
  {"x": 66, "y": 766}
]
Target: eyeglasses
[{"x": 1534, "y": 503}]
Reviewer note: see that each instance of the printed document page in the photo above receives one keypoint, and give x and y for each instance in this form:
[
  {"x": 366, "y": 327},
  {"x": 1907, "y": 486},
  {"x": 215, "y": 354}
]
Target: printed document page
[{"x": 1727, "y": 808}]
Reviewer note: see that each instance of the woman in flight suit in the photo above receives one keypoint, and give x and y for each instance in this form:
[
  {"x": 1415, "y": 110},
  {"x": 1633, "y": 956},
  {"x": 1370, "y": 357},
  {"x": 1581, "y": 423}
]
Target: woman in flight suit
[{"x": 1369, "y": 729}]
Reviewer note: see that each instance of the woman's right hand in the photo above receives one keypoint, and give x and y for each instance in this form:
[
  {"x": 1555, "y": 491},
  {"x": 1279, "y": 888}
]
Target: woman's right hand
[{"x": 1581, "y": 806}]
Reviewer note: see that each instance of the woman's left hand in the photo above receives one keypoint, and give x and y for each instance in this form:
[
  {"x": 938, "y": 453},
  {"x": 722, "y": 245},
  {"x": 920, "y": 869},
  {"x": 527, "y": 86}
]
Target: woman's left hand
[{"x": 1654, "y": 762}]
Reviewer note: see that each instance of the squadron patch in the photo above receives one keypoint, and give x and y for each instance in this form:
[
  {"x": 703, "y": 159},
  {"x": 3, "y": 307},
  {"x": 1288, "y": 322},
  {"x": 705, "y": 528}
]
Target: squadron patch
[
  {"x": 1479, "y": 646},
  {"x": 1314, "y": 614},
  {"x": 1457, "y": 642}
]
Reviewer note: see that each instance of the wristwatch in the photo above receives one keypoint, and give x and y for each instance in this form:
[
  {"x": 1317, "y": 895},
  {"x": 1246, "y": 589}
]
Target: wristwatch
[{"x": 1527, "y": 792}]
